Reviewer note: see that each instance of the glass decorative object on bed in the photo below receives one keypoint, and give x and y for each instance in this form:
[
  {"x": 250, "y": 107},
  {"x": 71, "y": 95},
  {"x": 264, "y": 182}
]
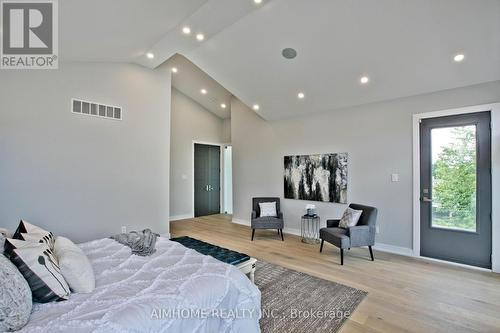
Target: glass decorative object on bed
[{"x": 320, "y": 177}]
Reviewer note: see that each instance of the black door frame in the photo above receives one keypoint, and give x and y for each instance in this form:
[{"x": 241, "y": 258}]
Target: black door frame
[
  {"x": 221, "y": 145},
  {"x": 495, "y": 115}
]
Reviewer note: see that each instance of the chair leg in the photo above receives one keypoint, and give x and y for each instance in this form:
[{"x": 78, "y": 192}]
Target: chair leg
[
  {"x": 278, "y": 232},
  {"x": 282, "y": 238},
  {"x": 321, "y": 246},
  {"x": 342, "y": 256},
  {"x": 253, "y": 233},
  {"x": 371, "y": 252}
]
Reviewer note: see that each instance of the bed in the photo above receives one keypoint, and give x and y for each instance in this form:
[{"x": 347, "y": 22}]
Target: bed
[{"x": 174, "y": 290}]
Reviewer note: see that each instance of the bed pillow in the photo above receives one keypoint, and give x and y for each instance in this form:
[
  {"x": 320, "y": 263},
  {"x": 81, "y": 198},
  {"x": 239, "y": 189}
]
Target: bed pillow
[
  {"x": 268, "y": 209},
  {"x": 32, "y": 233},
  {"x": 47, "y": 238},
  {"x": 2, "y": 243},
  {"x": 4, "y": 233},
  {"x": 75, "y": 266},
  {"x": 15, "y": 297},
  {"x": 40, "y": 268},
  {"x": 350, "y": 218},
  {"x": 28, "y": 228}
]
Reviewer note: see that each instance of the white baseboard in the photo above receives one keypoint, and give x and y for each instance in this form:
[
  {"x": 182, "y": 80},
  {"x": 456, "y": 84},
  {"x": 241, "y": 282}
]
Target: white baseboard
[
  {"x": 291, "y": 231},
  {"x": 181, "y": 217},
  {"x": 404, "y": 251},
  {"x": 242, "y": 222}
]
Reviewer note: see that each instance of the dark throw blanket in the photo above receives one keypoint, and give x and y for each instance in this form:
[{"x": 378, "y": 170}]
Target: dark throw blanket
[
  {"x": 142, "y": 243},
  {"x": 225, "y": 255}
]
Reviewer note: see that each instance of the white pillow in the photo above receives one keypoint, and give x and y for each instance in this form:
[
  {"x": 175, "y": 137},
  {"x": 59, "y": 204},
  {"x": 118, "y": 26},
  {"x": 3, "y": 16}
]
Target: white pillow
[
  {"x": 74, "y": 265},
  {"x": 350, "y": 218},
  {"x": 268, "y": 209}
]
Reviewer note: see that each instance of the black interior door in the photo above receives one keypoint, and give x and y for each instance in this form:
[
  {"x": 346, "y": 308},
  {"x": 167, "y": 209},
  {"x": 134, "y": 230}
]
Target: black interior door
[
  {"x": 455, "y": 185},
  {"x": 206, "y": 180}
]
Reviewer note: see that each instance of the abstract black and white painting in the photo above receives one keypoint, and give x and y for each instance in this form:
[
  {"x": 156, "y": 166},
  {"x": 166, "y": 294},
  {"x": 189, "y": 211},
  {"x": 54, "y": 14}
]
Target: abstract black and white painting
[{"x": 316, "y": 177}]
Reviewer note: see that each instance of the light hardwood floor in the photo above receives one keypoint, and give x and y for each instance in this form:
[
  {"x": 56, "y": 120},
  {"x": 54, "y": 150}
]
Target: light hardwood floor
[{"x": 404, "y": 294}]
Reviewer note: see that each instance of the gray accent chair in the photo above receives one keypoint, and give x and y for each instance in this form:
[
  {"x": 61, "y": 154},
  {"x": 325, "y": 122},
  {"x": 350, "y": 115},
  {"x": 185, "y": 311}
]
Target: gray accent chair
[
  {"x": 267, "y": 222},
  {"x": 363, "y": 234}
]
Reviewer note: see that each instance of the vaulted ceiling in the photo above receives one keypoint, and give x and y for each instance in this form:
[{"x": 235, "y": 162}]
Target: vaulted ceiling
[
  {"x": 404, "y": 47},
  {"x": 191, "y": 80}
]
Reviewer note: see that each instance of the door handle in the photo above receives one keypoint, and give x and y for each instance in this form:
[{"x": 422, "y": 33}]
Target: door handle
[{"x": 425, "y": 199}]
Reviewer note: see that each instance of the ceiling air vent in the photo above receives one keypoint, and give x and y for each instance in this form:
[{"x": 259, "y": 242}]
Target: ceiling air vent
[{"x": 96, "y": 109}]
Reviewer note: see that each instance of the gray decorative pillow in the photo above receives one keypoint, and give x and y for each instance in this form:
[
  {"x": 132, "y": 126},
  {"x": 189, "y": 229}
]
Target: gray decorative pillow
[
  {"x": 350, "y": 218},
  {"x": 2, "y": 243},
  {"x": 15, "y": 297}
]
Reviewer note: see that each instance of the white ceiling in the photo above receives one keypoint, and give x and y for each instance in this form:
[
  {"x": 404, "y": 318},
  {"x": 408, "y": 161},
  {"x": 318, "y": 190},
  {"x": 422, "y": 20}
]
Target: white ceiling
[
  {"x": 405, "y": 46},
  {"x": 190, "y": 79},
  {"x": 117, "y": 30}
]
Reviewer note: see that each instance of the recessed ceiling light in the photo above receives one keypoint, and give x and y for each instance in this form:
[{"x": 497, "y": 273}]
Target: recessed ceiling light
[
  {"x": 301, "y": 95},
  {"x": 203, "y": 91},
  {"x": 459, "y": 57},
  {"x": 150, "y": 55},
  {"x": 256, "y": 107},
  {"x": 200, "y": 37},
  {"x": 364, "y": 80},
  {"x": 257, "y": 1},
  {"x": 223, "y": 105},
  {"x": 186, "y": 30},
  {"x": 174, "y": 69}
]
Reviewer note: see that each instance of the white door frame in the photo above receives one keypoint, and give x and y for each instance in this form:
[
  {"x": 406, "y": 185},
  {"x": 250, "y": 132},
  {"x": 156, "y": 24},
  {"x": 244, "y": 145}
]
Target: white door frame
[
  {"x": 221, "y": 176},
  {"x": 495, "y": 161}
]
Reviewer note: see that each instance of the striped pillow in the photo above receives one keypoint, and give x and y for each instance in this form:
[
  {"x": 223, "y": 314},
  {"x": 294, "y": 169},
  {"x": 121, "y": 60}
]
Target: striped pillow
[
  {"x": 47, "y": 238},
  {"x": 40, "y": 268},
  {"x": 31, "y": 233}
]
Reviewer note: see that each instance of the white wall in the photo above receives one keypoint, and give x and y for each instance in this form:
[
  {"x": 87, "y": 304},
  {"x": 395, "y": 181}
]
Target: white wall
[
  {"x": 378, "y": 138},
  {"x": 190, "y": 122},
  {"x": 82, "y": 176}
]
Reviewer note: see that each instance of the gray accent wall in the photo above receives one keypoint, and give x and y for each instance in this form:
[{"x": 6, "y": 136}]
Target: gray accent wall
[
  {"x": 378, "y": 138},
  {"x": 81, "y": 176},
  {"x": 190, "y": 122}
]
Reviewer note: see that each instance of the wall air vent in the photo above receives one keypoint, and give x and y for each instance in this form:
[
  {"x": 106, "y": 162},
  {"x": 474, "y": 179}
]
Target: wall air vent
[{"x": 96, "y": 109}]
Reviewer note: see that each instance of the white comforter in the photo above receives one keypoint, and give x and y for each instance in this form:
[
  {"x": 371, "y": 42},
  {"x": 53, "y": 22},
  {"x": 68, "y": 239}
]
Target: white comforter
[{"x": 135, "y": 294}]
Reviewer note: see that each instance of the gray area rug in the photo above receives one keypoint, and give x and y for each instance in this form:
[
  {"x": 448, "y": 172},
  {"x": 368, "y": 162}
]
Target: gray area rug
[{"x": 297, "y": 302}]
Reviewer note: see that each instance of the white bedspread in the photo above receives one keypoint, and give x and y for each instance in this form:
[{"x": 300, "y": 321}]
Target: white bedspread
[{"x": 134, "y": 294}]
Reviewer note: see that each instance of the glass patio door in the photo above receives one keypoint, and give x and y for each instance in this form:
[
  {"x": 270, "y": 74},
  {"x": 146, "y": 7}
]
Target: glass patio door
[{"x": 455, "y": 186}]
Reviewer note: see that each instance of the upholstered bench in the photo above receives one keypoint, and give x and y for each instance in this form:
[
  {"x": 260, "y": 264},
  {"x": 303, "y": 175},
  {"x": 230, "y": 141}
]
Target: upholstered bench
[{"x": 243, "y": 262}]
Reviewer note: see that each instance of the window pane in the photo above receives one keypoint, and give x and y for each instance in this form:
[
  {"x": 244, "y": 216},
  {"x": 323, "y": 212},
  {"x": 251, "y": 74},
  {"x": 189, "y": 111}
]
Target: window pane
[{"x": 454, "y": 177}]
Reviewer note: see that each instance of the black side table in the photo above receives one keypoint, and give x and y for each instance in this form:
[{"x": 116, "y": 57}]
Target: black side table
[{"x": 309, "y": 229}]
